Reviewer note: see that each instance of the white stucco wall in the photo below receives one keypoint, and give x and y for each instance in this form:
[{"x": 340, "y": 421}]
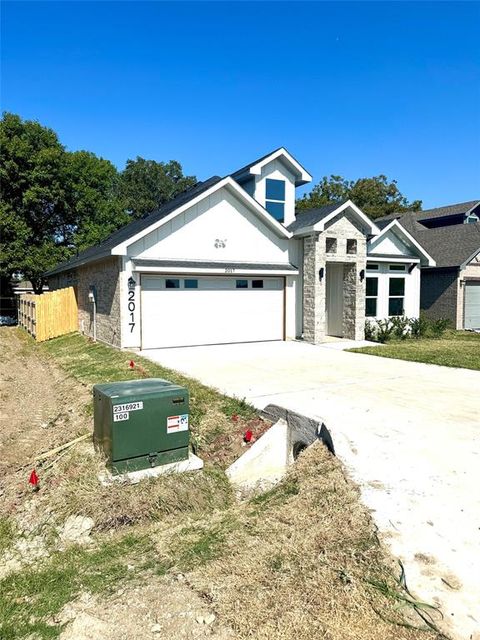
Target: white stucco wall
[
  {"x": 276, "y": 170},
  {"x": 194, "y": 235},
  {"x": 389, "y": 244}
]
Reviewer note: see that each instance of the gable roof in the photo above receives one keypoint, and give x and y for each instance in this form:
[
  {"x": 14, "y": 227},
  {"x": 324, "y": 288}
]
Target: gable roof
[
  {"x": 452, "y": 246},
  {"x": 309, "y": 217},
  {"x": 437, "y": 212},
  {"x": 405, "y": 237},
  {"x": 316, "y": 219},
  {"x": 255, "y": 167},
  {"x": 117, "y": 242},
  {"x": 104, "y": 249}
]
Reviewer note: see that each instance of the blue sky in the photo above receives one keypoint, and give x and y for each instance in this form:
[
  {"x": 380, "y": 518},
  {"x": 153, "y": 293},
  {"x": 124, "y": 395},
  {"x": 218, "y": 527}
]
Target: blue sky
[{"x": 355, "y": 89}]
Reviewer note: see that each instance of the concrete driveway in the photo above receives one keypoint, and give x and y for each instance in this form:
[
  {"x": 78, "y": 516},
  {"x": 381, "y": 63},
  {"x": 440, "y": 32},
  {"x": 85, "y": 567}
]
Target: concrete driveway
[{"x": 409, "y": 435}]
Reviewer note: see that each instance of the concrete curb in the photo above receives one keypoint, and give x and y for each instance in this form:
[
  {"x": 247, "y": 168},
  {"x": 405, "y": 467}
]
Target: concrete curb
[{"x": 303, "y": 431}]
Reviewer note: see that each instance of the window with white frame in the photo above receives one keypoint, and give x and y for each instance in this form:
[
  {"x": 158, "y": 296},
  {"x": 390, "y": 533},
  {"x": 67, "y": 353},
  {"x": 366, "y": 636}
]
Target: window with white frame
[
  {"x": 396, "y": 296},
  {"x": 275, "y": 198},
  {"x": 371, "y": 297}
]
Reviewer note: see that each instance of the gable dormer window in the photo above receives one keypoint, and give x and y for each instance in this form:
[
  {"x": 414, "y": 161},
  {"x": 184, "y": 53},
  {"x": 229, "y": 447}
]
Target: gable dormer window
[{"x": 275, "y": 198}]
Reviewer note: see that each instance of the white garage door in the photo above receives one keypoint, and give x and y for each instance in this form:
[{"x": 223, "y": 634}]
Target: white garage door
[
  {"x": 190, "y": 310},
  {"x": 472, "y": 305}
]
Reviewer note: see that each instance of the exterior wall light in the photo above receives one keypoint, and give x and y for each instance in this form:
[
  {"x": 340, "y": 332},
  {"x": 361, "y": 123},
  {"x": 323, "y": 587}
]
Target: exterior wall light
[
  {"x": 362, "y": 275},
  {"x": 321, "y": 272}
]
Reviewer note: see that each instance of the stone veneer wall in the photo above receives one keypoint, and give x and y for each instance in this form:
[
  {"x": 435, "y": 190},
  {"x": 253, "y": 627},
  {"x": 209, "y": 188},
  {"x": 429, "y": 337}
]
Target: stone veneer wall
[
  {"x": 105, "y": 276},
  {"x": 316, "y": 257}
]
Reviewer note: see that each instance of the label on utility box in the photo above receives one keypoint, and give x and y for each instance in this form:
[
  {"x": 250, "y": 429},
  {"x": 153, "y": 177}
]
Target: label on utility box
[
  {"x": 177, "y": 423},
  {"x": 122, "y": 411}
]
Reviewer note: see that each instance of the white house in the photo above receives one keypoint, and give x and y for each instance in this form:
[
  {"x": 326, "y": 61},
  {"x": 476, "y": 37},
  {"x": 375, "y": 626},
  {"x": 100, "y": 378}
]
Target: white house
[{"x": 229, "y": 260}]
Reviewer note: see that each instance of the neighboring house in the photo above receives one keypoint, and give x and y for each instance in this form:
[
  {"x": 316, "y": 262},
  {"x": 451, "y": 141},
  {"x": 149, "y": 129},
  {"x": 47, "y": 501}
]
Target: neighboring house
[
  {"x": 451, "y": 235},
  {"x": 229, "y": 261}
]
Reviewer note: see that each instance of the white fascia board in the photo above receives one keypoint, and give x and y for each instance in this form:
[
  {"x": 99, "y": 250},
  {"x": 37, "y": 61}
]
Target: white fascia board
[
  {"x": 121, "y": 249},
  {"x": 217, "y": 271},
  {"x": 430, "y": 262},
  {"x": 468, "y": 260},
  {"x": 371, "y": 257},
  {"x": 471, "y": 209},
  {"x": 372, "y": 227},
  {"x": 256, "y": 169}
]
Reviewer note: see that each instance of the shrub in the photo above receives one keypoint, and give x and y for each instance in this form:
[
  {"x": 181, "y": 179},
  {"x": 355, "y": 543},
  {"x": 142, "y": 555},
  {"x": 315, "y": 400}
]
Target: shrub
[
  {"x": 438, "y": 327},
  {"x": 418, "y": 326},
  {"x": 370, "y": 330},
  {"x": 384, "y": 330},
  {"x": 400, "y": 327}
]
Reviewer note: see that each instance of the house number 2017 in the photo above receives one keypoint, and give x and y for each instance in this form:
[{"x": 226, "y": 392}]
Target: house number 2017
[{"x": 131, "y": 309}]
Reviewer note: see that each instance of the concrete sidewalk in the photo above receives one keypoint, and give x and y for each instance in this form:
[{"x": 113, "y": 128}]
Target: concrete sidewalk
[{"x": 409, "y": 435}]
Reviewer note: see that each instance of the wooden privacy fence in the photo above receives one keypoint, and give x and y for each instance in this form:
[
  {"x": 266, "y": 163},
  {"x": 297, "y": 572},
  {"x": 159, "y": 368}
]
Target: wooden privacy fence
[{"x": 48, "y": 315}]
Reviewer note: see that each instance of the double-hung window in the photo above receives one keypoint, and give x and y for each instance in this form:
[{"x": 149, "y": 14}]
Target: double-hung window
[
  {"x": 371, "y": 297},
  {"x": 275, "y": 198},
  {"x": 396, "y": 296}
]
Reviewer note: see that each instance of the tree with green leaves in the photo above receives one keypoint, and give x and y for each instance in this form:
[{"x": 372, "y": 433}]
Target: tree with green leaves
[
  {"x": 145, "y": 185},
  {"x": 376, "y": 196},
  {"x": 32, "y": 207},
  {"x": 54, "y": 203}
]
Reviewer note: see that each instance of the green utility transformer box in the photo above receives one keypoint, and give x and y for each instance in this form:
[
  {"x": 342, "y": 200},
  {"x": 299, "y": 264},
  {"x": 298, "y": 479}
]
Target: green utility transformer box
[{"x": 141, "y": 423}]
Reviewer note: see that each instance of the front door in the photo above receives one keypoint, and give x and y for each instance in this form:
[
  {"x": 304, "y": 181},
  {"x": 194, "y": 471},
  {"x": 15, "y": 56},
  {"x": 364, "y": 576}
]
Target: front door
[{"x": 334, "y": 299}]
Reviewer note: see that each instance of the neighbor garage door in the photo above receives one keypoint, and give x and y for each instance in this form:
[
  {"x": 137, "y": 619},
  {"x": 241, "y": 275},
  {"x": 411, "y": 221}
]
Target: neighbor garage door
[
  {"x": 472, "y": 305},
  {"x": 192, "y": 310}
]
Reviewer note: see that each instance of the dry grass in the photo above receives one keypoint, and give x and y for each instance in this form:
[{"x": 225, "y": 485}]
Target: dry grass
[
  {"x": 303, "y": 562},
  {"x": 297, "y": 563},
  {"x": 73, "y": 488}
]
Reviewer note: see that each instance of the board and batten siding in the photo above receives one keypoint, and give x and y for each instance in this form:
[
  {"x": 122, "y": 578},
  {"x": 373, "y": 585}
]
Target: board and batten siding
[{"x": 219, "y": 228}]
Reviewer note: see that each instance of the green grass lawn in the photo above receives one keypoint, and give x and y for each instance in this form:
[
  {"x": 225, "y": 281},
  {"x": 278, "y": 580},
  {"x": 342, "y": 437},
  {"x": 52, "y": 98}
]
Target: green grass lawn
[{"x": 455, "y": 349}]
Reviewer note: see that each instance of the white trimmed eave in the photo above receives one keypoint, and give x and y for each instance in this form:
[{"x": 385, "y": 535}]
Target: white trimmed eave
[
  {"x": 468, "y": 260},
  {"x": 229, "y": 183},
  {"x": 471, "y": 209},
  {"x": 394, "y": 226},
  {"x": 303, "y": 174},
  {"x": 371, "y": 226},
  {"x": 216, "y": 271}
]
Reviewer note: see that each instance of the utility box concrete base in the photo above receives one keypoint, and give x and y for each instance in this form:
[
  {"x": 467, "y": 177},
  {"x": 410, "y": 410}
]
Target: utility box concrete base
[{"x": 192, "y": 463}]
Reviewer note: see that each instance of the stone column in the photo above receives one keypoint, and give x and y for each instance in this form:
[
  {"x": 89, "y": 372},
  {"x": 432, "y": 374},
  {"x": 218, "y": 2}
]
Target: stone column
[
  {"x": 313, "y": 289},
  {"x": 354, "y": 301}
]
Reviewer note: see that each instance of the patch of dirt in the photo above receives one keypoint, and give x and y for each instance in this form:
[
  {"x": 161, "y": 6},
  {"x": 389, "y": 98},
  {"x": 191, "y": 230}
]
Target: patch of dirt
[
  {"x": 229, "y": 446},
  {"x": 41, "y": 408},
  {"x": 163, "y": 608}
]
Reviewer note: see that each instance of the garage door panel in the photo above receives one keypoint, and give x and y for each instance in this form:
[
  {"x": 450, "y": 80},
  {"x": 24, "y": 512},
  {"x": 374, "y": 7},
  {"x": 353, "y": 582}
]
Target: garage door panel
[
  {"x": 472, "y": 305},
  {"x": 214, "y": 313}
]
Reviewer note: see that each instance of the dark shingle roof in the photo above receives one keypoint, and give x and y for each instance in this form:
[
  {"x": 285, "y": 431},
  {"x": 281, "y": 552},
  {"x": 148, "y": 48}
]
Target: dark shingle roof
[
  {"x": 449, "y": 210},
  {"x": 309, "y": 217},
  {"x": 239, "y": 172},
  {"x": 103, "y": 249},
  {"x": 450, "y": 246},
  {"x": 437, "y": 212}
]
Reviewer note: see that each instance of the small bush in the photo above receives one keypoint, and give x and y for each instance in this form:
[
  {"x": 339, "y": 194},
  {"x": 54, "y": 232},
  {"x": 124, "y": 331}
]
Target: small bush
[
  {"x": 418, "y": 326},
  {"x": 438, "y": 327},
  {"x": 370, "y": 331},
  {"x": 400, "y": 327},
  {"x": 384, "y": 330}
]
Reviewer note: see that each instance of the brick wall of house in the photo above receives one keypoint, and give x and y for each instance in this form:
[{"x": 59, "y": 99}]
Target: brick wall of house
[
  {"x": 439, "y": 293},
  {"x": 104, "y": 275}
]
